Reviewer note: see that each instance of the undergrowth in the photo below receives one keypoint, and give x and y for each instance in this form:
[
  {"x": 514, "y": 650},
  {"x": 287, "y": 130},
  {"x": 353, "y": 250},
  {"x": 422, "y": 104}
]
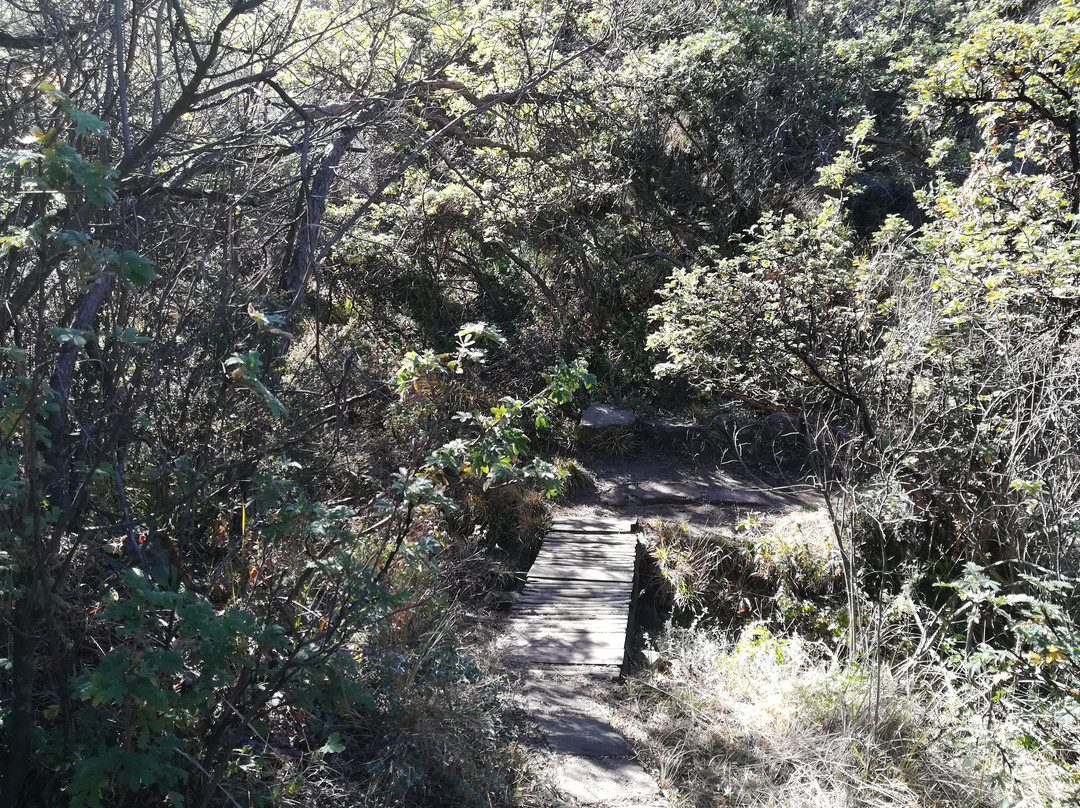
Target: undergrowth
[
  {"x": 753, "y": 697},
  {"x": 785, "y": 571},
  {"x": 774, "y": 721}
]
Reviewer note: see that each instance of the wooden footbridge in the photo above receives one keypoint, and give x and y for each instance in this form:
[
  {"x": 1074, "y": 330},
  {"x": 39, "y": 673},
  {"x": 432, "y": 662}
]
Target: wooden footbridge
[{"x": 575, "y": 612}]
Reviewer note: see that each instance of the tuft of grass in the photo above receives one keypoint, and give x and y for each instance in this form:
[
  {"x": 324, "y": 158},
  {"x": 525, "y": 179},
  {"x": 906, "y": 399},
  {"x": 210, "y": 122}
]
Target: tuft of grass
[
  {"x": 575, "y": 479},
  {"x": 613, "y": 441},
  {"x": 767, "y": 721},
  {"x": 781, "y": 570}
]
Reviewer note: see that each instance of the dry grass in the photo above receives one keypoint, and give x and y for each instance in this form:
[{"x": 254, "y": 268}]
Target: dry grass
[{"x": 770, "y": 722}]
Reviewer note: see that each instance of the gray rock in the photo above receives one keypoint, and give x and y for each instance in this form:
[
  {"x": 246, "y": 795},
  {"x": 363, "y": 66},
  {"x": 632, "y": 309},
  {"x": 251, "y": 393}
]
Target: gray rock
[
  {"x": 605, "y": 416},
  {"x": 605, "y": 781},
  {"x": 666, "y": 434},
  {"x": 573, "y": 723}
]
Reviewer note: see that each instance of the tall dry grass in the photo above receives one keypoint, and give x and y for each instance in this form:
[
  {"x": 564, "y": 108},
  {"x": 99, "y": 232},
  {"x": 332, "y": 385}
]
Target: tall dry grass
[{"x": 778, "y": 722}]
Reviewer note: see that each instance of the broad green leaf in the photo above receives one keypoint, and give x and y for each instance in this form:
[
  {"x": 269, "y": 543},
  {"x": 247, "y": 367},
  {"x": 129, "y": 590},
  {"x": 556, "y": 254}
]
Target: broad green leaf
[
  {"x": 72, "y": 335},
  {"x": 137, "y": 270},
  {"x": 85, "y": 123},
  {"x": 332, "y": 746}
]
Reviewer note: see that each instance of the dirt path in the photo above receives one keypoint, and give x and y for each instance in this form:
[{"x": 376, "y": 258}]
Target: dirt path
[{"x": 591, "y": 764}]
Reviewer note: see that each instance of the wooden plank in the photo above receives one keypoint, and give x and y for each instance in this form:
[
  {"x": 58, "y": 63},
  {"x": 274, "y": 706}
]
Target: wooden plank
[
  {"x": 590, "y": 541},
  {"x": 621, "y": 602},
  {"x": 542, "y": 598},
  {"x": 573, "y": 545},
  {"x": 577, "y": 605},
  {"x": 555, "y": 652},
  {"x": 613, "y": 561},
  {"x": 592, "y": 517},
  {"x": 593, "y": 526},
  {"x": 573, "y": 550},
  {"x": 570, "y": 535},
  {"x": 599, "y": 588},
  {"x": 565, "y": 627},
  {"x": 625, "y": 566},
  {"x": 553, "y": 649},
  {"x": 548, "y": 589},
  {"x": 585, "y": 551},
  {"x": 553, "y": 612},
  {"x": 577, "y": 574},
  {"x": 559, "y": 545},
  {"x": 558, "y": 660},
  {"x": 595, "y": 671},
  {"x": 594, "y": 643},
  {"x": 621, "y": 562}
]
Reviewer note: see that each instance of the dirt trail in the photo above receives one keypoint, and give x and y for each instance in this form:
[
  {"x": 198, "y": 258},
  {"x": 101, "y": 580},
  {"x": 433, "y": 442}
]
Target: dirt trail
[{"x": 590, "y": 763}]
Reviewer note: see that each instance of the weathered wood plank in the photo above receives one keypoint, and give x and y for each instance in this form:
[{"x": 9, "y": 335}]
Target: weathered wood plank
[
  {"x": 570, "y": 612},
  {"x": 575, "y": 606},
  {"x": 618, "y": 568},
  {"x": 594, "y": 518},
  {"x": 590, "y": 541},
  {"x": 590, "y": 547},
  {"x": 568, "y": 525},
  {"x": 566, "y": 598},
  {"x": 558, "y": 653},
  {"x": 600, "y": 588},
  {"x": 554, "y": 589},
  {"x": 568, "y": 628},
  {"x": 613, "y": 561},
  {"x": 617, "y": 559},
  {"x": 573, "y": 588},
  {"x": 587, "y": 538}
]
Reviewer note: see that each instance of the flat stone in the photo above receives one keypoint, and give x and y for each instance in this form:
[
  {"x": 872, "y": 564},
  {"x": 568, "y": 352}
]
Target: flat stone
[
  {"x": 670, "y": 429},
  {"x": 605, "y": 781},
  {"x": 605, "y": 416},
  {"x": 574, "y": 724},
  {"x": 661, "y": 493},
  {"x": 674, "y": 493}
]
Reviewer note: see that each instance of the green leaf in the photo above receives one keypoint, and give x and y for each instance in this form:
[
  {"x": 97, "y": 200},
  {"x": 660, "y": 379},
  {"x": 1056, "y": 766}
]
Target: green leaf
[
  {"x": 130, "y": 336},
  {"x": 71, "y": 238},
  {"x": 332, "y": 746},
  {"x": 73, "y": 335},
  {"x": 85, "y": 123},
  {"x": 96, "y": 181},
  {"x": 246, "y": 368},
  {"x": 14, "y": 353},
  {"x": 137, "y": 270},
  {"x": 270, "y": 323}
]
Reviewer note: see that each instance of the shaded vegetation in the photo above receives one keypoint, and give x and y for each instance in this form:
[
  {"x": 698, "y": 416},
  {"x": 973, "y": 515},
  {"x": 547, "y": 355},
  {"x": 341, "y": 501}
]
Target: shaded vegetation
[{"x": 301, "y": 302}]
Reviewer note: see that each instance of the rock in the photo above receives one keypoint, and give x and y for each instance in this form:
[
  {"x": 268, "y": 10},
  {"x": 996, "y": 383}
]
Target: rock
[
  {"x": 683, "y": 493},
  {"x": 573, "y": 723},
  {"x": 606, "y": 416},
  {"x": 673, "y": 433},
  {"x": 666, "y": 493},
  {"x": 609, "y": 430},
  {"x": 501, "y": 600},
  {"x": 605, "y": 781},
  {"x": 781, "y": 425}
]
